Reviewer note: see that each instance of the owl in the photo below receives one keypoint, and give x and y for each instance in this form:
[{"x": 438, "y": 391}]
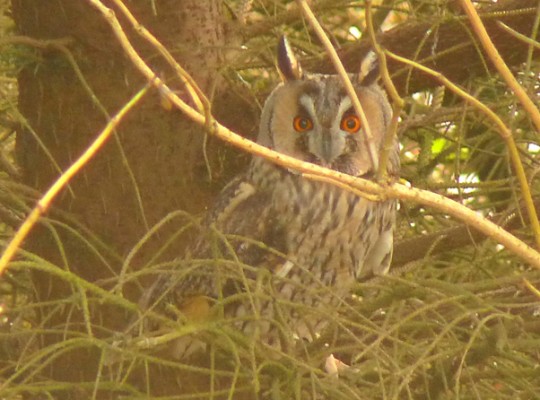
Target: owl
[{"x": 279, "y": 252}]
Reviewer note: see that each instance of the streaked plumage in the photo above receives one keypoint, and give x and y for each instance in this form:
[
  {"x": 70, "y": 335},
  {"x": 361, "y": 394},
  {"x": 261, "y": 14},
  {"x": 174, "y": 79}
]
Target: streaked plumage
[{"x": 278, "y": 251}]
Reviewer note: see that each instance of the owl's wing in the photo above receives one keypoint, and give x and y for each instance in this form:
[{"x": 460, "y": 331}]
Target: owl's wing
[
  {"x": 380, "y": 256},
  {"x": 240, "y": 226},
  {"x": 243, "y": 215}
]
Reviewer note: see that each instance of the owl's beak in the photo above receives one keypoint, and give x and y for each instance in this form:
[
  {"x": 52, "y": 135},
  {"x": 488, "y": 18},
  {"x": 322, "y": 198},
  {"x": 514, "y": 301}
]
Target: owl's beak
[{"x": 327, "y": 149}]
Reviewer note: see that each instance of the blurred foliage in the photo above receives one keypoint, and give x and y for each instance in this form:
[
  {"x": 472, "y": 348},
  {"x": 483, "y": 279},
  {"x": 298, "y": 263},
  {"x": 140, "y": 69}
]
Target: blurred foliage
[{"x": 458, "y": 325}]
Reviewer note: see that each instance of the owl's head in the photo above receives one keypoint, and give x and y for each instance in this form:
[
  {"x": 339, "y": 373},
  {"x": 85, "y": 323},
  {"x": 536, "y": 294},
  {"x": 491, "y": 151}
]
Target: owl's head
[{"x": 311, "y": 117}]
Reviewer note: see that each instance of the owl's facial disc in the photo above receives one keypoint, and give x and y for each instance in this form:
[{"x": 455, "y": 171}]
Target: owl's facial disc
[{"x": 326, "y": 134}]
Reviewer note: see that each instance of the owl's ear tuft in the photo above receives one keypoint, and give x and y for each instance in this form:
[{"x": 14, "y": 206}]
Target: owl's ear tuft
[
  {"x": 369, "y": 69},
  {"x": 288, "y": 65}
]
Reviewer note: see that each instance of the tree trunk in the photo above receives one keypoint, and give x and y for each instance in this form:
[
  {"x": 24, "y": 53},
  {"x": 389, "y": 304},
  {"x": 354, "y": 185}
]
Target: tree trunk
[{"x": 154, "y": 166}]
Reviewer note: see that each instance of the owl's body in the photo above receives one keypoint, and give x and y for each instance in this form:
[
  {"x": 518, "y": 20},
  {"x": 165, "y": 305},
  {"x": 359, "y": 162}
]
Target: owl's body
[{"x": 282, "y": 250}]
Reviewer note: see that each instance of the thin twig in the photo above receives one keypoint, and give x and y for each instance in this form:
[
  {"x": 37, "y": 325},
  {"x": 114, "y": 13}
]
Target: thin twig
[
  {"x": 503, "y": 130},
  {"x": 517, "y": 35},
  {"x": 499, "y": 63},
  {"x": 524, "y": 99},
  {"x": 531, "y": 287},
  {"x": 340, "y": 69},
  {"x": 397, "y": 101},
  {"x": 45, "y": 202},
  {"x": 197, "y": 95}
]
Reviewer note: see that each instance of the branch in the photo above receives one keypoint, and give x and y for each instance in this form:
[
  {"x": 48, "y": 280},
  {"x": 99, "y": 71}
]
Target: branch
[
  {"x": 421, "y": 246},
  {"x": 46, "y": 200},
  {"x": 525, "y": 101},
  {"x": 447, "y": 46}
]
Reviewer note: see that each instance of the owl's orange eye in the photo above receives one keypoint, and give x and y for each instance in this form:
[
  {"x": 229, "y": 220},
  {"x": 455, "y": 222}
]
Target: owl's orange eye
[
  {"x": 350, "y": 123},
  {"x": 302, "y": 124}
]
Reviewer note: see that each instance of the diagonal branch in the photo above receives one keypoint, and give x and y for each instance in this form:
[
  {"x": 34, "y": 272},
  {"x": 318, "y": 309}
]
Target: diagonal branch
[{"x": 418, "y": 247}]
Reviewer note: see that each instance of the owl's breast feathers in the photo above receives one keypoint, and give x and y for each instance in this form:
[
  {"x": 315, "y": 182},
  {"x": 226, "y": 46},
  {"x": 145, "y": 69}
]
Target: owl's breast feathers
[
  {"x": 275, "y": 240},
  {"x": 308, "y": 230}
]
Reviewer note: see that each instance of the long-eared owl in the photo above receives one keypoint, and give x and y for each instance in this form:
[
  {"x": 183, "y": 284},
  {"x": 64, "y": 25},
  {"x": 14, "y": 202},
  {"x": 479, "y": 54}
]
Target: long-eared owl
[{"x": 279, "y": 251}]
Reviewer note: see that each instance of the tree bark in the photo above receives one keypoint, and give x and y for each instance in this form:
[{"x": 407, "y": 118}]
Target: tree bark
[{"x": 154, "y": 166}]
